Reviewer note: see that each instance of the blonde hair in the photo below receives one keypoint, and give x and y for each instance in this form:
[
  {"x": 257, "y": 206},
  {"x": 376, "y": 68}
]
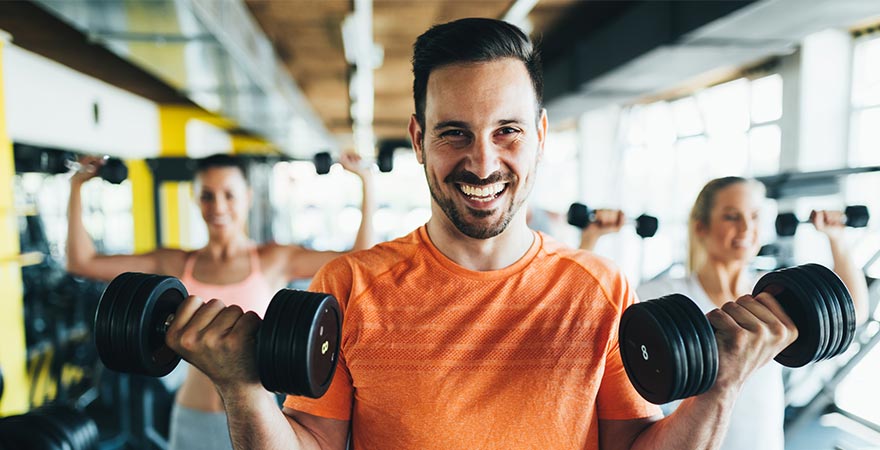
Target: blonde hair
[{"x": 702, "y": 210}]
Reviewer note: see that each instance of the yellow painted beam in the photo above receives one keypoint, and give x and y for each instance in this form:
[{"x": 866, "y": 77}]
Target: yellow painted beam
[
  {"x": 250, "y": 145},
  {"x": 13, "y": 350},
  {"x": 143, "y": 210},
  {"x": 170, "y": 201}
]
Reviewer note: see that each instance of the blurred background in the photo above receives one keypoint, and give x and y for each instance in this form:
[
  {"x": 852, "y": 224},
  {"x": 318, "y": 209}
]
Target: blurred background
[{"x": 647, "y": 101}]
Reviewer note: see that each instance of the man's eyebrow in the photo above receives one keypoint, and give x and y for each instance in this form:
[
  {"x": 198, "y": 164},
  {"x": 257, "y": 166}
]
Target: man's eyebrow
[
  {"x": 451, "y": 124},
  {"x": 463, "y": 124}
]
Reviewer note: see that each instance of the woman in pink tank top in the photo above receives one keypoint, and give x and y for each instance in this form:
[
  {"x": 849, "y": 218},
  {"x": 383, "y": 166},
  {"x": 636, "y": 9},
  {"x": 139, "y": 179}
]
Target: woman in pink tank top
[{"x": 230, "y": 267}]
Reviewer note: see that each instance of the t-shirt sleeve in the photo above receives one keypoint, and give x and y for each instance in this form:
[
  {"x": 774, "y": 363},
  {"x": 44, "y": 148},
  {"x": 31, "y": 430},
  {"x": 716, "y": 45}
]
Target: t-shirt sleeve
[
  {"x": 335, "y": 279},
  {"x": 617, "y": 398}
]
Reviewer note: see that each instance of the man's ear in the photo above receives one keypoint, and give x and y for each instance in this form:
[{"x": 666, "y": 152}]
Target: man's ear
[
  {"x": 417, "y": 136},
  {"x": 542, "y": 133}
]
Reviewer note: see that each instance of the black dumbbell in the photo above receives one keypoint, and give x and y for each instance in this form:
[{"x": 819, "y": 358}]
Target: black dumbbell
[
  {"x": 581, "y": 216},
  {"x": 50, "y": 427},
  {"x": 322, "y": 161},
  {"x": 857, "y": 216},
  {"x": 113, "y": 171},
  {"x": 385, "y": 156},
  {"x": 297, "y": 343},
  {"x": 669, "y": 349}
]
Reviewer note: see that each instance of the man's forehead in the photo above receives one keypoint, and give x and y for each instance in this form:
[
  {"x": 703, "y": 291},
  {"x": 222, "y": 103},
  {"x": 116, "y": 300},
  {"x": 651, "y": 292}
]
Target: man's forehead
[{"x": 500, "y": 86}]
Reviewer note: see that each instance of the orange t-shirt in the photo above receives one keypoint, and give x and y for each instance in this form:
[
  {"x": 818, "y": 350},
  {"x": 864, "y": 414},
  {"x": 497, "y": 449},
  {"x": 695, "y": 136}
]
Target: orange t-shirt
[{"x": 435, "y": 356}]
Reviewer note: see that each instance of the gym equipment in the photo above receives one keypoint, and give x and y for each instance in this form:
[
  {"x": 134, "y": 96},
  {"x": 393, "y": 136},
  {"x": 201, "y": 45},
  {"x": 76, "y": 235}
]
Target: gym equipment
[
  {"x": 669, "y": 349},
  {"x": 322, "y": 161},
  {"x": 113, "y": 170},
  {"x": 385, "y": 156},
  {"x": 1, "y": 383},
  {"x": 385, "y": 159},
  {"x": 581, "y": 216},
  {"x": 857, "y": 216},
  {"x": 50, "y": 427},
  {"x": 297, "y": 343}
]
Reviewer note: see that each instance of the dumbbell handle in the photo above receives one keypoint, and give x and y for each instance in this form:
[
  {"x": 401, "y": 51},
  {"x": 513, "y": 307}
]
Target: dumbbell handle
[
  {"x": 646, "y": 226},
  {"x": 163, "y": 327}
]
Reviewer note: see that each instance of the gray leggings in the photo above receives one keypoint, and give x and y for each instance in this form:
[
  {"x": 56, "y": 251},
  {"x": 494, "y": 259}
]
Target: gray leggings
[{"x": 198, "y": 430}]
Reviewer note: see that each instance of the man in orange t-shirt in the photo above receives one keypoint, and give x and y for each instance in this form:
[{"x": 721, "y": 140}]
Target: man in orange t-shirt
[{"x": 474, "y": 331}]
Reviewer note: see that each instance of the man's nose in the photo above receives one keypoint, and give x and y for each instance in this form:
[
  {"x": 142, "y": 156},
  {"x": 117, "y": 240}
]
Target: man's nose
[{"x": 484, "y": 157}]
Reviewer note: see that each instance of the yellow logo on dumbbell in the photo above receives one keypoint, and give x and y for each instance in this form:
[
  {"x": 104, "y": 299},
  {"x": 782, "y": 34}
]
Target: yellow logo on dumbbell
[{"x": 325, "y": 347}]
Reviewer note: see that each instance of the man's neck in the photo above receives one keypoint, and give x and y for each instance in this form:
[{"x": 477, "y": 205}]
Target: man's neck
[{"x": 481, "y": 254}]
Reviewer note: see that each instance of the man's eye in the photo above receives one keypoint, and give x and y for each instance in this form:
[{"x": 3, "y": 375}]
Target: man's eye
[{"x": 455, "y": 137}]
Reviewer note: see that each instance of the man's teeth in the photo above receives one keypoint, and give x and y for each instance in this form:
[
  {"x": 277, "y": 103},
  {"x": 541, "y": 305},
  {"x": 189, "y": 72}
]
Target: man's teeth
[{"x": 482, "y": 192}]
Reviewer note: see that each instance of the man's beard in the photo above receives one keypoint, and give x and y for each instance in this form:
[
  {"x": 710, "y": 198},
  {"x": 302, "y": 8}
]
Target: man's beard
[{"x": 459, "y": 215}]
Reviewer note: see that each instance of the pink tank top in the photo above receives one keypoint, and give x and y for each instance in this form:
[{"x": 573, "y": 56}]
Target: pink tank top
[{"x": 251, "y": 294}]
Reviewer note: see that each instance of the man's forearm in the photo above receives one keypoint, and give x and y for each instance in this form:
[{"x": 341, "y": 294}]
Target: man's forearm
[
  {"x": 255, "y": 422},
  {"x": 699, "y": 423}
]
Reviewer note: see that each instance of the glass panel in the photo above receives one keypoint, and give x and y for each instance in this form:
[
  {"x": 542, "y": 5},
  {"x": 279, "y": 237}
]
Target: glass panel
[
  {"x": 726, "y": 107},
  {"x": 688, "y": 121},
  {"x": 767, "y": 99},
  {"x": 858, "y": 393},
  {"x": 729, "y": 155},
  {"x": 764, "y": 147},
  {"x": 866, "y": 73},
  {"x": 865, "y": 150}
]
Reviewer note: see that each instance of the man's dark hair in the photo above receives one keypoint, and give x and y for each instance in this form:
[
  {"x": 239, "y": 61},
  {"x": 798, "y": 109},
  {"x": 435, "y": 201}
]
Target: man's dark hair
[
  {"x": 471, "y": 40},
  {"x": 221, "y": 161}
]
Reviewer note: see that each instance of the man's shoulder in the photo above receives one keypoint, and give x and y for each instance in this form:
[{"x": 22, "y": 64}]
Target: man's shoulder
[
  {"x": 591, "y": 264},
  {"x": 381, "y": 257}
]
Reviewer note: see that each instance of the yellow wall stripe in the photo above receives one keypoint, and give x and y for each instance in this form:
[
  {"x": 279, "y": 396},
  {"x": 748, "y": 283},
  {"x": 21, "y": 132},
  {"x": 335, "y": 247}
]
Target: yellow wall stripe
[
  {"x": 170, "y": 201},
  {"x": 143, "y": 208},
  {"x": 13, "y": 350}
]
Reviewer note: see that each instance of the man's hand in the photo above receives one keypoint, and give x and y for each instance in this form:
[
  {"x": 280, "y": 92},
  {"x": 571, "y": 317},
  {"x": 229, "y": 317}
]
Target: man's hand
[
  {"x": 219, "y": 340},
  {"x": 750, "y": 332}
]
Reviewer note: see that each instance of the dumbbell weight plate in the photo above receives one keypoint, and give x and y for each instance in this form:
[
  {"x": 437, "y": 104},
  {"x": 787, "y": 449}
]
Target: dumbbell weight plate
[
  {"x": 109, "y": 320},
  {"x": 646, "y": 226},
  {"x": 126, "y": 334},
  {"x": 298, "y": 343},
  {"x": 76, "y": 429},
  {"x": 706, "y": 338},
  {"x": 646, "y": 348},
  {"x": 694, "y": 350},
  {"x": 323, "y": 161},
  {"x": 679, "y": 350},
  {"x": 23, "y": 432},
  {"x": 821, "y": 295},
  {"x": 857, "y": 216},
  {"x": 797, "y": 303},
  {"x": 146, "y": 342},
  {"x": 578, "y": 215},
  {"x": 835, "y": 319},
  {"x": 114, "y": 171},
  {"x": 844, "y": 300}
]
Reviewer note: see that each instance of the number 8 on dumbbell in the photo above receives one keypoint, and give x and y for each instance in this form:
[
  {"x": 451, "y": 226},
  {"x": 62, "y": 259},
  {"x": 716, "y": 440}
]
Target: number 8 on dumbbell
[{"x": 297, "y": 342}]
